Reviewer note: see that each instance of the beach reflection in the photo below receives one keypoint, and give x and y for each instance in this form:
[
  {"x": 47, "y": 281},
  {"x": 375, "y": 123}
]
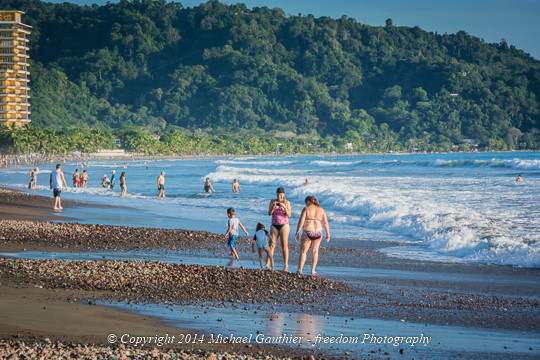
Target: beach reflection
[{"x": 304, "y": 325}]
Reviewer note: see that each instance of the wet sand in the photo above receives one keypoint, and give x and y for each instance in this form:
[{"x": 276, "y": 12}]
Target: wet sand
[
  {"x": 376, "y": 286},
  {"x": 61, "y": 321}
]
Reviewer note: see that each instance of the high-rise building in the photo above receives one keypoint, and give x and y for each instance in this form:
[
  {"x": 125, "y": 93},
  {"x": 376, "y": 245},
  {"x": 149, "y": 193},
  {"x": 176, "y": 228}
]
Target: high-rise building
[{"x": 14, "y": 90}]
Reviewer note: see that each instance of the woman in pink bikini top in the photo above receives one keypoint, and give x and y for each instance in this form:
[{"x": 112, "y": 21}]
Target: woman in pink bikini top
[{"x": 280, "y": 209}]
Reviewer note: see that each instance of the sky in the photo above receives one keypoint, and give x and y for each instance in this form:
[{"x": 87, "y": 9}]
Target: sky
[{"x": 517, "y": 21}]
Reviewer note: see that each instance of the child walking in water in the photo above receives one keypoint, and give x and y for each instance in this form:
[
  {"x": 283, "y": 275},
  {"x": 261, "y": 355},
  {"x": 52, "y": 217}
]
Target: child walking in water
[
  {"x": 232, "y": 231},
  {"x": 261, "y": 239}
]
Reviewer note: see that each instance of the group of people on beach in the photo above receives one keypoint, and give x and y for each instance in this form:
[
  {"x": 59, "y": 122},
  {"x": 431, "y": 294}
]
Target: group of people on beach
[
  {"x": 107, "y": 183},
  {"x": 57, "y": 182},
  {"x": 80, "y": 180},
  {"x": 309, "y": 231},
  {"x": 207, "y": 187}
]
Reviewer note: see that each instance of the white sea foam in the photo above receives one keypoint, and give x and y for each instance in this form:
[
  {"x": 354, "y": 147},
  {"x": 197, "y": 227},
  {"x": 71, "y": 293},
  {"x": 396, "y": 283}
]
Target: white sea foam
[
  {"x": 513, "y": 163},
  {"x": 526, "y": 164},
  {"x": 255, "y": 175},
  {"x": 325, "y": 163},
  {"x": 446, "y": 215},
  {"x": 268, "y": 163}
]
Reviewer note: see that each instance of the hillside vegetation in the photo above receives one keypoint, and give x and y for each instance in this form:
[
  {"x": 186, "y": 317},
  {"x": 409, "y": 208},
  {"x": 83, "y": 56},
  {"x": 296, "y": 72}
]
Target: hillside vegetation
[{"x": 153, "y": 66}]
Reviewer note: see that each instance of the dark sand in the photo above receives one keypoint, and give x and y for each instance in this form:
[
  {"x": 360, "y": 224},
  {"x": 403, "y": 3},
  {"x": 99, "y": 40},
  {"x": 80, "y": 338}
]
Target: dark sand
[
  {"x": 59, "y": 321},
  {"x": 424, "y": 292}
]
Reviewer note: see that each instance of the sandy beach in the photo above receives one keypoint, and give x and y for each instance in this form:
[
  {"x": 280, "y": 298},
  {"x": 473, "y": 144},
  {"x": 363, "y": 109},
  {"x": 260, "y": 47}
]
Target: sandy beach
[{"x": 47, "y": 298}]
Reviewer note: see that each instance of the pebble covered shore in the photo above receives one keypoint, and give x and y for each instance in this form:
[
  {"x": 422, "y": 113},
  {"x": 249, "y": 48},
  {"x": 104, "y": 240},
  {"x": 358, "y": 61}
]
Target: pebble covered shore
[
  {"x": 158, "y": 282},
  {"x": 92, "y": 237},
  {"x": 426, "y": 302},
  {"x": 47, "y": 349}
]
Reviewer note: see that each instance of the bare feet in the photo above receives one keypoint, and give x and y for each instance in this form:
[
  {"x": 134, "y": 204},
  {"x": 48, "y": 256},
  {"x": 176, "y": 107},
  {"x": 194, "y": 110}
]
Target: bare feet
[
  {"x": 286, "y": 269},
  {"x": 313, "y": 273}
]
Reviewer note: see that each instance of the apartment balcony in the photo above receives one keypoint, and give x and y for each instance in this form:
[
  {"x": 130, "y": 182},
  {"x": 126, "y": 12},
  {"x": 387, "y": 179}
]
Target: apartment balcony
[
  {"x": 14, "y": 53},
  {"x": 17, "y": 71},
  {"x": 13, "y": 111},
  {"x": 17, "y": 23},
  {"x": 22, "y": 30},
  {"x": 14, "y": 78},
  {"x": 11, "y": 103},
  {"x": 10, "y": 87},
  {"x": 18, "y": 88},
  {"x": 14, "y": 62},
  {"x": 14, "y": 37}
]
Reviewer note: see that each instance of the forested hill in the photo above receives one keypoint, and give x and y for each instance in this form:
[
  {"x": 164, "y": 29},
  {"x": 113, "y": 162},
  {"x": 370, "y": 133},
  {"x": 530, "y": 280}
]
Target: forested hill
[{"x": 224, "y": 68}]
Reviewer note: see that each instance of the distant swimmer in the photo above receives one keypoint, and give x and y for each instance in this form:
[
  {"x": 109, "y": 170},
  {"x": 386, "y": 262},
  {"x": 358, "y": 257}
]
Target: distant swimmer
[
  {"x": 33, "y": 178},
  {"x": 84, "y": 179},
  {"x": 307, "y": 182},
  {"x": 236, "y": 187},
  {"x": 208, "y": 186},
  {"x": 57, "y": 181},
  {"x": 519, "y": 178},
  {"x": 161, "y": 184}
]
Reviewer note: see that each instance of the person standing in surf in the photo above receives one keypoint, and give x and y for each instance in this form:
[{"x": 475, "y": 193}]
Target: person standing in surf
[
  {"x": 310, "y": 222},
  {"x": 84, "y": 179},
  {"x": 280, "y": 209},
  {"x": 113, "y": 179},
  {"x": 33, "y": 178},
  {"x": 236, "y": 187},
  {"x": 123, "y": 186},
  {"x": 208, "y": 188},
  {"x": 56, "y": 180},
  {"x": 76, "y": 178},
  {"x": 161, "y": 184}
]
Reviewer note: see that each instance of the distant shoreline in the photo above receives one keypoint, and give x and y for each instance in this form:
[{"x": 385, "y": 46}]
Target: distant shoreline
[{"x": 129, "y": 157}]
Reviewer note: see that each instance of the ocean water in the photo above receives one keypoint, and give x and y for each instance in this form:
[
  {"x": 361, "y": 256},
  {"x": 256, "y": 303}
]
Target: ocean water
[{"x": 439, "y": 207}]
